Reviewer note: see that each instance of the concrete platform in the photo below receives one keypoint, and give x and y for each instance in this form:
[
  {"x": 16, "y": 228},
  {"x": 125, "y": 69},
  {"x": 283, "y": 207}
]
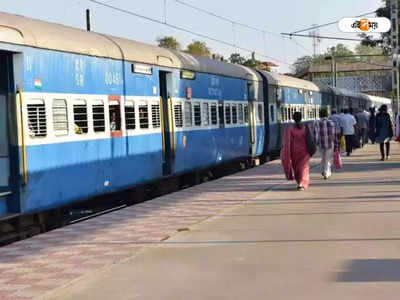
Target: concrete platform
[{"x": 338, "y": 240}]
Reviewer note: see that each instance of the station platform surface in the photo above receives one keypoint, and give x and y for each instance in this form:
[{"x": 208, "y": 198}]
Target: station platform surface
[{"x": 249, "y": 235}]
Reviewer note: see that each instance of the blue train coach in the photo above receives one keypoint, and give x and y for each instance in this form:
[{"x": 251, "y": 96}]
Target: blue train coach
[{"x": 84, "y": 114}]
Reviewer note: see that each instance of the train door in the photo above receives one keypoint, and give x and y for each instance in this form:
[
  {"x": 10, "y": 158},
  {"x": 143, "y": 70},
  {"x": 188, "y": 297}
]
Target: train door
[
  {"x": 5, "y": 85},
  {"x": 167, "y": 126},
  {"x": 252, "y": 118}
]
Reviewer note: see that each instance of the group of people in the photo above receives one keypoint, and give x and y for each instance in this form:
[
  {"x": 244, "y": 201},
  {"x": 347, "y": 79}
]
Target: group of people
[{"x": 328, "y": 135}]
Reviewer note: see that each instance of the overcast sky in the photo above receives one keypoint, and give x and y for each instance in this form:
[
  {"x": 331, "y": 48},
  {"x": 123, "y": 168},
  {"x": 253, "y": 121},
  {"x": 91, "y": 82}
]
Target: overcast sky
[{"x": 270, "y": 15}]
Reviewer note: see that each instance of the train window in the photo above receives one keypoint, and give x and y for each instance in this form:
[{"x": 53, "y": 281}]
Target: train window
[
  {"x": 197, "y": 114},
  {"x": 188, "y": 114},
  {"x": 60, "y": 117},
  {"x": 260, "y": 113},
  {"x": 115, "y": 116},
  {"x": 302, "y": 112},
  {"x": 178, "y": 115},
  {"x": 246, "y": 113},
  {"x": 272, "y": 113},
  {"x": 206, "y": 114},
  {"x": 283, "y": 114},
  {"x": 155, "y": 115},
  {"x": 240, "y": 113},
  {"x": 227, "y": 114},
  {"x": 130, "y": 118},
  {"x": 234, "y": 114},
  {"x": 80, "y": 117},
  {"x": 144, "y": 116},
  {"x": 37, "y": 118},
  {"x": 98, "y": 116},
  {"x": 221, "y": 113},
  {"x": 214, "y": 120}
]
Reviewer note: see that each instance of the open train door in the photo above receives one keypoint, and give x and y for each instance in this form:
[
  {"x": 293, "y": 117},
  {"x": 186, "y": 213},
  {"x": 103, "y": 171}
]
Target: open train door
[
  {"x": 251, "y": 118},
  {"x": 6, "y": 89},
  {"x": 167, "y": 122}
]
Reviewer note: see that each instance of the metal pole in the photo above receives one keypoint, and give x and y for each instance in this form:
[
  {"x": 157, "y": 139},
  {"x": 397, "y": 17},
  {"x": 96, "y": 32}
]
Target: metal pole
[
  {"x": 397, "y": 85},
  {"x": 88, "y": 19},
  {"x": 334, "y": 72},
  {"x": 395, "y": 52}
]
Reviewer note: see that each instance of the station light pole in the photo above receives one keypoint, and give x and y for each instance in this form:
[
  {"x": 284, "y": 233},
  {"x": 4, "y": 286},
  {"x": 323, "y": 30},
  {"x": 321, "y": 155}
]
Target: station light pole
[{"x": 333, "y": 68}]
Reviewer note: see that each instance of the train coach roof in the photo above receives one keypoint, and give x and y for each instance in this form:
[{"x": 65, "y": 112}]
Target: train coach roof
[
  {"x": 21, "y": 30},
  {"x": 348, "y": 93},
  {"x": 377, "y": 99},
  {"x": 288, "y": 81}
]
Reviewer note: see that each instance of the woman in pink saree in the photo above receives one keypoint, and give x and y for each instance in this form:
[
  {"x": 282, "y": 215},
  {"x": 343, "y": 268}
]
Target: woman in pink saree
[{"x": 294, "y": 155}]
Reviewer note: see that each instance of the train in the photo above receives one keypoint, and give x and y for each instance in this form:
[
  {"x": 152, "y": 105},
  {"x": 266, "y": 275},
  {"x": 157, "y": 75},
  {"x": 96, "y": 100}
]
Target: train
[{"x": 84, "y": 114}]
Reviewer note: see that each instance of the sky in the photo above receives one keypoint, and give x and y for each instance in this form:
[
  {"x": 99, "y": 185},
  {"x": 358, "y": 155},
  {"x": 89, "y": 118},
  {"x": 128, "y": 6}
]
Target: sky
[{"x": 269, "y": 15}]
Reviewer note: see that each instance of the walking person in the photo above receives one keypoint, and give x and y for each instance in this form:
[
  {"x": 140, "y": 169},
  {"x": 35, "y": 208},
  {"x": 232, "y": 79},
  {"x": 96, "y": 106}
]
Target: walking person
[
  {"x": 349, "y": 129},
  {"x": 371, "y": 125},
  {"x": 326, "y": 141},
  {"x": 295, "y": 157},
  {"x": 363, "y": 122},
  {"x": 384, "y": 131}
]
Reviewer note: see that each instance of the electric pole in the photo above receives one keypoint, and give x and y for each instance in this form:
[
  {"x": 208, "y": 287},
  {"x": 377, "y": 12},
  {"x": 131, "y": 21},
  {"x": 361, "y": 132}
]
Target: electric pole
[{"x": 394, "y": 11}]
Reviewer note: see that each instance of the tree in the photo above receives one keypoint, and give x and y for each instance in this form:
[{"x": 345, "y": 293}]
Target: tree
[
  {"x": 302, "y": 64},
  {"x": 385, "y": 40},
  {"x": 236, "y": 58},
  {"x": 168, "y": 42},
  {"x": 198, "y": 48},
  {"x": 339, "y": 50}
]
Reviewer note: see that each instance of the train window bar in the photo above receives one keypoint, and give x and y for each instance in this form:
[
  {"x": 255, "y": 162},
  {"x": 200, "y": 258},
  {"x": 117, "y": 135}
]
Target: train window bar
[
  {"x": 234, "y": 114},
  {"x": 246, "y": 113},
  {"x": 240, "y": 113},
  {"x": 130, "y": 117},
  {"x": 98, "y": 116},
  {"x": 80, "y": 117},
  {"x": 197, "y": 114},
  {"x": 144, "y": 116},
  {"x": 37, "y": 123},
  {"x": 214, "y": 118},
  {"x": 227, "y": 113},
  {"x": 206, "y": 114},
  {"x": 178, "y": 115},
  {"x": 155, "y": 115},
  {"x": 60, "y": 117},
  {"x": 188, "y": 114}
]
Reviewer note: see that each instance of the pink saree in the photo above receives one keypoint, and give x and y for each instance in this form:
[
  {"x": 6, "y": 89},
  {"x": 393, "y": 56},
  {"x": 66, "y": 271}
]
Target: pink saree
[{"x": 295, "y": 157}]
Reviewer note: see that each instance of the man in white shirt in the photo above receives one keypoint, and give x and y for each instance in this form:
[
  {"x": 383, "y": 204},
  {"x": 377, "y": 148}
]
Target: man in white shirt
[{"x": 348, "y": 123}]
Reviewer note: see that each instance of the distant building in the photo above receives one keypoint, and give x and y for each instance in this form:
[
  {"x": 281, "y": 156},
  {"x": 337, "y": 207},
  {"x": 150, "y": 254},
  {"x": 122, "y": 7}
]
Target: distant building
[{"x": 370, "y": 78}]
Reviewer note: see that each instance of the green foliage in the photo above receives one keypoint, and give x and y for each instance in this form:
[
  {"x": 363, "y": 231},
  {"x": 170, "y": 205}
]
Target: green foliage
[
  {"x": 168, "y": 42},
  {"x": 385, "y": 40},
  {"x": 236, "y": 58},
  {"x": 339, "y": 50},
  {"x": 301, "y": 65},
  {"x": 198, "y": 48}
]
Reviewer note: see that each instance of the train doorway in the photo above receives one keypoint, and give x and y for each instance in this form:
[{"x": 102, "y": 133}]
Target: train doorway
[
  {"x": 5, "y": 92},
  {"x": 167, "y": 125}
]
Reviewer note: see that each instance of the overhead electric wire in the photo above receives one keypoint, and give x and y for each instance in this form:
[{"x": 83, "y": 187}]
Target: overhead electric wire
[
  {"x": 184, "y": 30},
  {"x": 330, "y": 23},
  {"x": 225, "y": 18},
  {"x": 321, "y": 37}
]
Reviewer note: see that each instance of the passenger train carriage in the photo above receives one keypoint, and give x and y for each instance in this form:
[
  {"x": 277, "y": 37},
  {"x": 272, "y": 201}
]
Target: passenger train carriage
[{"x": 84, "y": 114}]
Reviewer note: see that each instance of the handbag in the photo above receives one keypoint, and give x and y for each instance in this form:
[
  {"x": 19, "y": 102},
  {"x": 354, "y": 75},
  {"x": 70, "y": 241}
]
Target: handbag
[
  {"x": 337, "y": 160},
  {"x": 311, "y": 146},
  {"x": 343, "y": 143}
]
